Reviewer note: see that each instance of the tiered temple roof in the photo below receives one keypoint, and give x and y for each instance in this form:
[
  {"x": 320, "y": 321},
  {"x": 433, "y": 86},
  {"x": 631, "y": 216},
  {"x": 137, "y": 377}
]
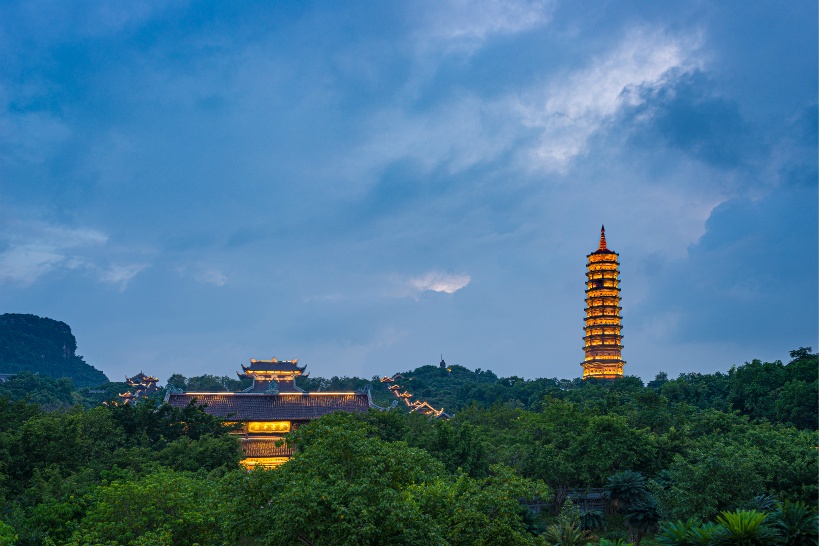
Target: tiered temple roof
[
  {"x": 269, "y": 373},
  {"x": 250, "y": 406}
]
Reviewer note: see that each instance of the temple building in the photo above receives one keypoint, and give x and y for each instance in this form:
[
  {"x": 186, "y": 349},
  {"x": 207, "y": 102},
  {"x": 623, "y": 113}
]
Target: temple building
[
  {"x": 142, "y": 385},
  {"x": 271, "y": 407},
  {"x": 602, "y": 330}
]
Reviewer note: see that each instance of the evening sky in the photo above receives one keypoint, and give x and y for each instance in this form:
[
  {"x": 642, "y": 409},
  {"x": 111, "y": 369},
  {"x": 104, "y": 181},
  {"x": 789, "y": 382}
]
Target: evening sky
[{"x": 366, "y": 186}]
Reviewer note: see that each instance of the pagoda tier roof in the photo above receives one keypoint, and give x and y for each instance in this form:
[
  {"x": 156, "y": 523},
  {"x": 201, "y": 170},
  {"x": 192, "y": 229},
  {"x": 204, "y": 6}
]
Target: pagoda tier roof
[
  {"x": 265, "y": 447},
  {"x": 602, "y": 251},
  {"x": 273, "y": 365},
  {"x": 598, "y": 362},
  {"x": 272, "y": 407}
]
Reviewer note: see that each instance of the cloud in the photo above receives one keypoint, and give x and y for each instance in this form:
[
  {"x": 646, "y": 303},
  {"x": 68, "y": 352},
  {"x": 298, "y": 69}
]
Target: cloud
[
  {"x": 682, "y": 112},
  {"x": 34, "y": 249},
  {"x": 212, "y": 276},
  {"x": 121, "y": 275},
  {"x": 466, "y": 24},
  {"x": 72, "y": 237},
  {"x": 459, "y": 134},
  {"x": 26, "y": 263},
  {"x": 571, "y": 108},
  {"x": 753, "y": 271},
  {"x": 542, "y": 125},
  {"x": 202, "y": 273},
  {"x": 439, "y": 282}
]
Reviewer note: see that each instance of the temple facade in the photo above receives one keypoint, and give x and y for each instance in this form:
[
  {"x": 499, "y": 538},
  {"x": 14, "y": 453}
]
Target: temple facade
[
  {"x": 271, "y": 407},
  {"x": 603, "y": 339}
]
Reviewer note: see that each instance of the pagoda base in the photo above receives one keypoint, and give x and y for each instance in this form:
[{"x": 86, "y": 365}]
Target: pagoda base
[{"x": 603, "y": 370}]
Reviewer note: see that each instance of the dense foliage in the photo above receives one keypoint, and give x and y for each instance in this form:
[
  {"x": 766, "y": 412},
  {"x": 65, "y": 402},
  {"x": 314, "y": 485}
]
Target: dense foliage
[
  {"x": 55, "y": 466},
  {"x": 43, "y": 346},
  {"x": 701, "y": 459},
  {"x": 769, "y": 391}
]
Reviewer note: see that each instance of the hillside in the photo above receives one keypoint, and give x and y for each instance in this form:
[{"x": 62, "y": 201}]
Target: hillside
[{"x": 43, "y": 346}]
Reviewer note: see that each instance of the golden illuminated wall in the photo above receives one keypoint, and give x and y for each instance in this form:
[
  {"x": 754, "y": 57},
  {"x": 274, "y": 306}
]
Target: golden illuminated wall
[
  {"x": 268, "y": 427},
  {"x": 603, "y": 338},
  {"x": 263, "y": 462}
]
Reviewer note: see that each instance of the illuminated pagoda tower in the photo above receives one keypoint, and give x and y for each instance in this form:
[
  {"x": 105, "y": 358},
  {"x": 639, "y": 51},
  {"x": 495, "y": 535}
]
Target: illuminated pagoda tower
[{"x": 602, "y": 330}]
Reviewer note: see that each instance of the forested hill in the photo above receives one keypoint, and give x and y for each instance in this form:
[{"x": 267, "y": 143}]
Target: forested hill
[
  {"x": 770, "y": 391},
  {"x": 43, "y": 346}
]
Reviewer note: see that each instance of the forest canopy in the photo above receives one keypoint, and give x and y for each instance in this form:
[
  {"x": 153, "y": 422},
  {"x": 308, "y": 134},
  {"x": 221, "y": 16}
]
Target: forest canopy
[{"x": 690, "y": 460}]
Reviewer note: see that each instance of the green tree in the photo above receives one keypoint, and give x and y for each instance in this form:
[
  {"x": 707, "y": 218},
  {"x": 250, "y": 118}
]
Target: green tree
[
  {"x": 163, "y": 507},
  {"x": 795, "y": 404},
  {"x": 714, "y": 476},
  {"x": 7, "y": 534}
]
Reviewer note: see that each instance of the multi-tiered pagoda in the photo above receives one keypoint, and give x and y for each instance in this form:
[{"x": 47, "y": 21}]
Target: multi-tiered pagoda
[{"x": 603, "y": 327}]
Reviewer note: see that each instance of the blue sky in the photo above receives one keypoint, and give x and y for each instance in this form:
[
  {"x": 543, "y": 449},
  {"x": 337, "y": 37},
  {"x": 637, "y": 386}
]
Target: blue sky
[{"x": 368, "y": 185}]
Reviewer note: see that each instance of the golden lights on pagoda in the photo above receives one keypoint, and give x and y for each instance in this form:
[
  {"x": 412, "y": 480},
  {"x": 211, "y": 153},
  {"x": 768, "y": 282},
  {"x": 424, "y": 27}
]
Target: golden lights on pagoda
[{"x": 603, "y": 328}]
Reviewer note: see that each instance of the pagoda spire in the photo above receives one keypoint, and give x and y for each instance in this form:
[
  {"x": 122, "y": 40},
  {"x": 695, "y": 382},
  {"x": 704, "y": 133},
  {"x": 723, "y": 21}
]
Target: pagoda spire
[{"x": 602, "y": 238}]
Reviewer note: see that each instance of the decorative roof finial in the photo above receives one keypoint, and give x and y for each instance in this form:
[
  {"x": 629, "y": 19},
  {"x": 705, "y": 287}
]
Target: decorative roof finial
[{"x": 602, "y": 238}]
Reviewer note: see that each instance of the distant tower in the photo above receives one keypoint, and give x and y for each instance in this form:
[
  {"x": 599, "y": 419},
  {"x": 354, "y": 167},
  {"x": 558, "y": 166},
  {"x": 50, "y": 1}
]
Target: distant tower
[{"x": 603, "y": 339}]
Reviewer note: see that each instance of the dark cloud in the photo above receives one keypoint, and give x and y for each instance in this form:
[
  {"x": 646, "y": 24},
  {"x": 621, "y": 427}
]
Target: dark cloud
[
  {"x": 685, "y": 114},
  {"x": 751, "y": 278}
]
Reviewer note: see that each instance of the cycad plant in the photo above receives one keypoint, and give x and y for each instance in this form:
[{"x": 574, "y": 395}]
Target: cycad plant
[
  {"x": 701, "y": 536},
  {"x": 566, "y": 535},
  {"x": 743, "y": 528},
  {"x": 591, "y": 521},
  {"x": 642, "y": 517},
  {"x": 686, "y": 533},
  {"x": 625, "y": 488},
  {"x": 796, "y": 523},
  {"x": 763, "y": 503}
]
